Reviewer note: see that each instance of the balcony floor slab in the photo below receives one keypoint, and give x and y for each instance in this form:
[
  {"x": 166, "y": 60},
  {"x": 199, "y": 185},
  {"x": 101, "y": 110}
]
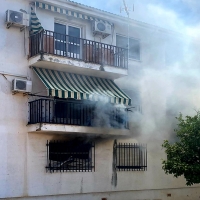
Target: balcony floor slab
[
  {"x": 76, "y": 130},
  {"x": 77, "y": 66}
]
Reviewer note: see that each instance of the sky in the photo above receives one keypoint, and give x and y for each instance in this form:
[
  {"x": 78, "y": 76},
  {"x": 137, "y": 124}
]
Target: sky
[{"x": 176, "y": 15}]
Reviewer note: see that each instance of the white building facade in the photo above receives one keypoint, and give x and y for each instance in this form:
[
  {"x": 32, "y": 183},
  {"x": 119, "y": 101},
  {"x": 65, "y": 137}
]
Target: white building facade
[{"x": 72, "y": 135}]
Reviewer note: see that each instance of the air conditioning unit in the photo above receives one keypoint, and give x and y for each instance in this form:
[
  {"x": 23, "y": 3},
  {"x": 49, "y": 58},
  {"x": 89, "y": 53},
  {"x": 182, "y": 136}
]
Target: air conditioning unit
[
  {"x": 14, "y": 18},
  {"x": 20, "y": 85},
  {"x": 101, "y": 28}
]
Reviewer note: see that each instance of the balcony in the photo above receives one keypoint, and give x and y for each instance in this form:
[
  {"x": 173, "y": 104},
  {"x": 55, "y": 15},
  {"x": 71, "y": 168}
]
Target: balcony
[
  {"x": 74, "y": 116},
  {"x": 76, "y": 55}
]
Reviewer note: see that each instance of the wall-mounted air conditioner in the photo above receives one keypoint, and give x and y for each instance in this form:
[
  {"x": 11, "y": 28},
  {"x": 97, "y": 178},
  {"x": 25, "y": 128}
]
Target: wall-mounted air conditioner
[
  {"x": 14, "y": 18},
  {"x": 20, "y": 85},
  {"x": 101, "y": 28}
]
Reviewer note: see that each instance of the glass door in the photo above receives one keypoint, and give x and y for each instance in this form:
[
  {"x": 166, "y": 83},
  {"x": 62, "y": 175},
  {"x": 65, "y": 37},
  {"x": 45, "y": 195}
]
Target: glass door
[
  {"x": 60, "y": 39},
  {"x": 74, "y": 42}
]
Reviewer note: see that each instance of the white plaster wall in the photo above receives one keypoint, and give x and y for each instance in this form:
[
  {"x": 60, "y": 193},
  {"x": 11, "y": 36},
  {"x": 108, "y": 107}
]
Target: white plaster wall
[
  {"x": 13, "y": 108},
  {"x": 23, "y": 154}
]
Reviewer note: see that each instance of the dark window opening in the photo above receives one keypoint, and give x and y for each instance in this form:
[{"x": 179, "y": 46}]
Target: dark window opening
[
  {"x": 74, "y": 156},
  {"x": 131, "y": 157},
  {"x": 74, "y": 112},
  {"x": 134, "y": 46}
]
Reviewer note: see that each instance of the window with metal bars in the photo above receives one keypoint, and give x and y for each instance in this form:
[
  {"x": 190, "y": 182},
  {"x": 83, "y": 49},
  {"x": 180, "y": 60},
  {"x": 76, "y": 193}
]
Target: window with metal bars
[
  {"x": 131, "y": 157},
  {"x": 73, "y": 156}
]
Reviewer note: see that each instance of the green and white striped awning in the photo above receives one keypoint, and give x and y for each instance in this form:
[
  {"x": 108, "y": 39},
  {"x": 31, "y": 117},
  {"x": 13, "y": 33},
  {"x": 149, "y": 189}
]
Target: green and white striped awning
[
  {"x": 68, "y": 12},
  {"x": 35, "y": 25},
  {"x": 67, "y": 85}
]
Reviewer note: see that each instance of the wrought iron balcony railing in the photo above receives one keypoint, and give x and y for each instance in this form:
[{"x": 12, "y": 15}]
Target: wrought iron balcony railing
[
  {"x": 49, "y": 42},
  {"x": 76, "y": 113}
]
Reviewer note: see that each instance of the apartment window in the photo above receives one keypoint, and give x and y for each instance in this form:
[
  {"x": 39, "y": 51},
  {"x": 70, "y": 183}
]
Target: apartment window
[
  {"x": 134, "y": 46},
  {"x": 67, "y": 40},
  {"x": 131, "y": 157},
  {"x": 70, "y": 156}
]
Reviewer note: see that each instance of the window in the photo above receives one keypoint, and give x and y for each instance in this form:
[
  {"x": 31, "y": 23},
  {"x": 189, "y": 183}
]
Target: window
[
  {"x": 131, "y": 157},
  {"x": 174, "y": 52},
  {"x": 134, "y": 46},
  {"x": 74, "y": 156},
  {"x": 67, "y": 40}
]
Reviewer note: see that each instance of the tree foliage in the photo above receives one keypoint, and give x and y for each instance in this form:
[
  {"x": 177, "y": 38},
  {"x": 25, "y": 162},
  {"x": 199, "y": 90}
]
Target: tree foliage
[{"x": 183, "y": 156}]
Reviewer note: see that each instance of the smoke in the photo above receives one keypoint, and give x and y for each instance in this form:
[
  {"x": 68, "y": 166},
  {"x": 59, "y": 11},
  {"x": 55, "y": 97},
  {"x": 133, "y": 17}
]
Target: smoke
[
  {"x": 107, "y": 115},
  {"x": 166, "y": 91},
  {"x": 166, "y": 82}
]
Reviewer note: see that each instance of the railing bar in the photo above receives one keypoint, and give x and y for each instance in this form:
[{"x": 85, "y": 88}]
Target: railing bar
[
  {"x": 30, "y": 113},
  {"x": 73, "y": 163},
  {"x": 72, "y": 46},
  {"x": 94, "y": 156},
  {"x": 34, "y": 42},
  {"x": 45, "y": 102},
  {"x": 50, "y": 143},
  {"x": 119, "y": 156},
  {"x": 46, "y": 42},
  {"x": 36, "y": 46},
  {"x": 134, "y": 154},
  {"x": 34, "y": 113},
  {"x": 80, "y": 167},
  {"x": 85, "y": 163},
  {"x": 138, "y": 157},
  {"x": 53, "y": 43},
  {"x": 146, "y": 158},
  {"x": 41, "y": 115},
  {"x": 129, "y": 157},
  {"x": 62, "y": 36},
  {"x": 47, "y": 154},
  {"x": 59, "y": 156},
  {"x": 95, "y": 50},
  {"x": 70, "y": 113},
  {"x": 90, "y": 156},
  {"x": 124, "y": 156},
  {"x": 143, "y": 157},
  {"x": 40, "y": 110},
  {"x": 37, "y": 111},
  {"x": 87, "y": 160},
  {"x": 62, "y": 113},
  {"x": 49, "y": 110}
]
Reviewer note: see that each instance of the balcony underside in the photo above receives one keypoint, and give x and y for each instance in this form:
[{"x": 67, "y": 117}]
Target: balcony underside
[
  {"x": 76, "y": 66},
  {"x": 76, "y": 130}
]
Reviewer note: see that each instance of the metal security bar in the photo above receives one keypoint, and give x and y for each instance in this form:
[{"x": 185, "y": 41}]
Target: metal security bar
[
  {"x": 49, "y": 42},
  {"x": 70, "y": 156},
  {"x": 131, "y": 157},
  {"x": 75, "y": 113}
]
